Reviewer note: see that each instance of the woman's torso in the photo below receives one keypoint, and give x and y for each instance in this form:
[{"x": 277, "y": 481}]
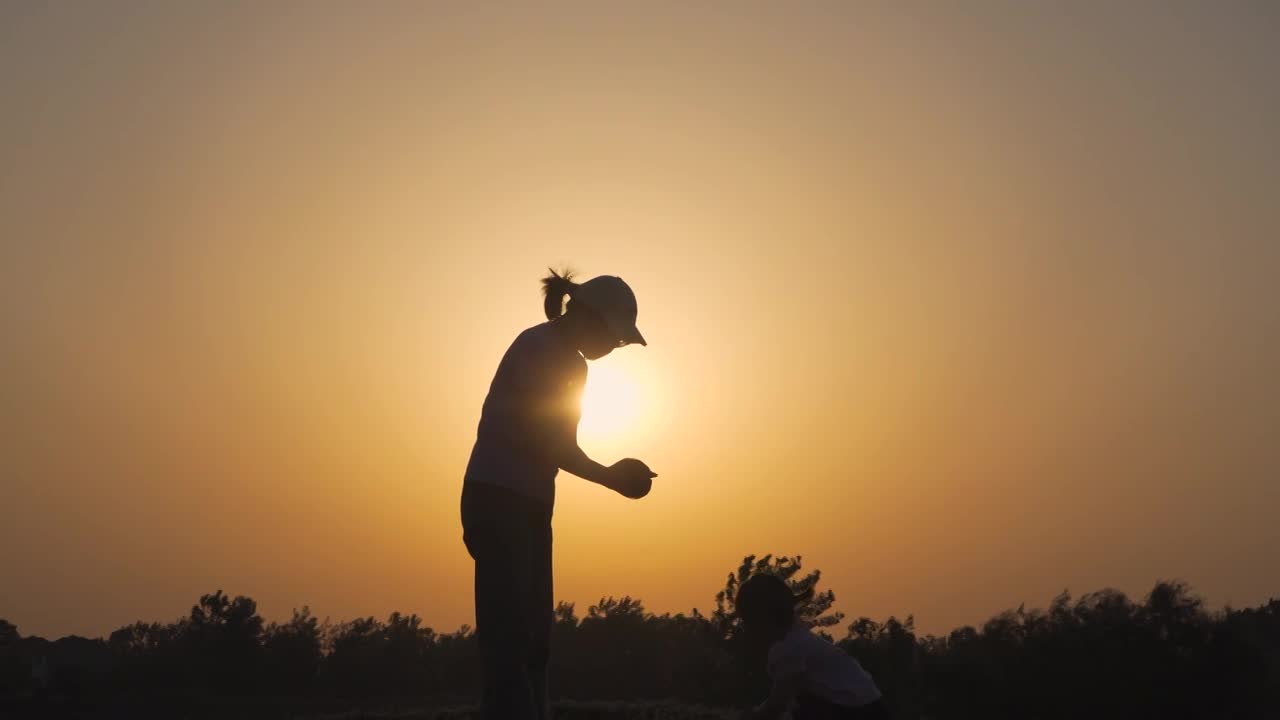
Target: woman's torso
[{"x": 533, "y": 404}]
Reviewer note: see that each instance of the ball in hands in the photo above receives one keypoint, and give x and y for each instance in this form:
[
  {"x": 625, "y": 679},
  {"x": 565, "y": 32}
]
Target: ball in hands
[
  {"x": 634, "y": 479},
  {"x": 638, "y": 488}
]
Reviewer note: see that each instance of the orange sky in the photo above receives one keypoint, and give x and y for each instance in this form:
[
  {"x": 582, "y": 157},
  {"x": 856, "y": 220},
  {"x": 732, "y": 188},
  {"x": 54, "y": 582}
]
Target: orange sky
[{"x": 964, "y": 303}]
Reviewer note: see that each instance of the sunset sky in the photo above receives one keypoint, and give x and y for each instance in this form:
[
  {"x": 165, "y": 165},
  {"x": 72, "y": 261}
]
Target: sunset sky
[{"x": 966, "y": 303}]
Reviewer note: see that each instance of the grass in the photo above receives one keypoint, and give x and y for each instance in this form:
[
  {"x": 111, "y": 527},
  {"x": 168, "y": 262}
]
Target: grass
[{"x": 662, "y": 710}]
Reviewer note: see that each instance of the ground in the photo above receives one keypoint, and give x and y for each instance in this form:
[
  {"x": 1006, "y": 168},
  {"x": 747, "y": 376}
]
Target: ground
[{"x": 665, "y": 710}]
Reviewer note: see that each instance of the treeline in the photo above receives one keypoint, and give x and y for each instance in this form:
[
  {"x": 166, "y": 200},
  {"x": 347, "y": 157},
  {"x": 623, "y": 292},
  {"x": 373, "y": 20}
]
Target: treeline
[{"x": 1099, "y": 655}]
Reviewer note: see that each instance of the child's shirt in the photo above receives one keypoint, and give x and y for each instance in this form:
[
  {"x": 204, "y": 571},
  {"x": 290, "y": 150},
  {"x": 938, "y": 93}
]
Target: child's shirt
[{"x": 826, "y": 671}]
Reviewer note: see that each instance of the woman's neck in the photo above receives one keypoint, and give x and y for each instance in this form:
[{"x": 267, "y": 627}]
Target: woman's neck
[{"x": 566, "y": 332}]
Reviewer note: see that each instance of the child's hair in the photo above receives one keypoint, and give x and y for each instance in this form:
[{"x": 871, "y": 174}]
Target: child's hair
[
  {"x": 767, "y": 600},
  {"x": 555, "y": 288}
]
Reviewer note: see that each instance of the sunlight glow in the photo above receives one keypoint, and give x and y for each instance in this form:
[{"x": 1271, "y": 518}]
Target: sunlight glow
[{"x": 612, "y": 403}]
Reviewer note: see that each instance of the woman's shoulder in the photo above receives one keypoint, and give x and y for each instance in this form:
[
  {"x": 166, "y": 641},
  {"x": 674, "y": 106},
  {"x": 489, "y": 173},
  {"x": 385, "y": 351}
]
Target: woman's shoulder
[
  {"x": 535, "y": 342},
  {"x": 541, "y": 346},
  {"x": 539, "y": 334}
]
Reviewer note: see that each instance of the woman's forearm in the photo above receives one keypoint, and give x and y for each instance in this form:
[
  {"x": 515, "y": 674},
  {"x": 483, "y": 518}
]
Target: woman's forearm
[{"x": 574, "y": 460}]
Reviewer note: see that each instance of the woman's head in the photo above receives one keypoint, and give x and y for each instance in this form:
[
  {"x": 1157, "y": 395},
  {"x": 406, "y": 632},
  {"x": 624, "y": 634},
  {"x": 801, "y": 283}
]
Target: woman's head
[
  {"x": 766, "y": 605},
  {"x": 601, "y": 313}
]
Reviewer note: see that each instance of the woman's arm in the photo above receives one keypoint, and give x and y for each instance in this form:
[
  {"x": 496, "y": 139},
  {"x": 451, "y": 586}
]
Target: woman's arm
[
  {"x": 628, "y": 477},
  {"x": 573, "y": 459},
  {"x": 562, "y": 437},
  {"x": 538, "y": 408}
]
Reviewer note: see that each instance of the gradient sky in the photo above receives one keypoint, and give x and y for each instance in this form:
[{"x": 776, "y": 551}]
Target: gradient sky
[{"x": 965, "y": 303}]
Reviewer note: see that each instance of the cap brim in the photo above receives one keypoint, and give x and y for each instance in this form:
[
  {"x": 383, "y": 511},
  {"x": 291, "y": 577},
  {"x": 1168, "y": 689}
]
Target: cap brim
[{"x": 632, "y": 336}]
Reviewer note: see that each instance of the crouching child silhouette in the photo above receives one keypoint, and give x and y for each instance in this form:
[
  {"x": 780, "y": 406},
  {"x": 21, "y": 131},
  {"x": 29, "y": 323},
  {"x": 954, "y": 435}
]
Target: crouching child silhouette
[{"x": 812, "y": 678}]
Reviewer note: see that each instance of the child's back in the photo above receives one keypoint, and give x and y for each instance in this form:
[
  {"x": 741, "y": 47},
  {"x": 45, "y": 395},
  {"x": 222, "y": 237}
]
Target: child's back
[{"x": 827, "y": 673}]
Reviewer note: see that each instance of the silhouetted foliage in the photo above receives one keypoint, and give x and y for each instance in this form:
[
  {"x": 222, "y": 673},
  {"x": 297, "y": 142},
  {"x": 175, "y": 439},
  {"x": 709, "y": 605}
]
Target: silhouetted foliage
[
  {"x": 292, "y": 651},
  {"x": 1101, "y": 655},
  {"x": 14, "y": 673},
  {"x": 223, "y": 643}
]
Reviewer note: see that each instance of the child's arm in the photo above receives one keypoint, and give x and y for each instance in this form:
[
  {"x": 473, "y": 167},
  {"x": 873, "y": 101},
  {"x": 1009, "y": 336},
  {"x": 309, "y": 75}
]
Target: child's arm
[{"x": 784, "y": 691}]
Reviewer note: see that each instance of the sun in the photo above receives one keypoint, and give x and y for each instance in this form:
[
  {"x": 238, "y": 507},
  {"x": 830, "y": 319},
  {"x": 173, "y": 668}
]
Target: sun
[{"x": 612, "y": 403}]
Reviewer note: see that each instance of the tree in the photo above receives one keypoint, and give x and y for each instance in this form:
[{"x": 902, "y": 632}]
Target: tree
[
  {"x": 354, "y": 648},
  {"x": 1099, "y": 655},
  {"x": 147, "y": 654},
  {"x": 8, "y": 634},
  {"x": 292, "y": 650},
  {"x": 223, "y": 636},
  {"x": 13, "y": 672},
  {"x": 892, "y": 653}
]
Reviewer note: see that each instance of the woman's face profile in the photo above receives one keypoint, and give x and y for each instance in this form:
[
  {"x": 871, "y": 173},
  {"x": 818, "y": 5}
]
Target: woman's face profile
[
  {"x": 594, "y": 339},
  {"x": 597, "y": 350}
]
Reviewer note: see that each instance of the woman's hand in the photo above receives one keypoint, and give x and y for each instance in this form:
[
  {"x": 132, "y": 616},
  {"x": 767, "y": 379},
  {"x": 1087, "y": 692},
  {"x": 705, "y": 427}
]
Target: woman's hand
[{"x": 631, "y": 478}]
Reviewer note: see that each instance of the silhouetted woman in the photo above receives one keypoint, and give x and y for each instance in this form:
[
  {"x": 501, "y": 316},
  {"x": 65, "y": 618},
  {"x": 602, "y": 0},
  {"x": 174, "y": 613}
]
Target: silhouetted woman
[{"x": 528, "y": 433}]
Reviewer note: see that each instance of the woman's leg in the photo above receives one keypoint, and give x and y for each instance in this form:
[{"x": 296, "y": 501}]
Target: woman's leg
[
  {"x": 496, "y": 532},
  {"x": 542, "y": 615}
]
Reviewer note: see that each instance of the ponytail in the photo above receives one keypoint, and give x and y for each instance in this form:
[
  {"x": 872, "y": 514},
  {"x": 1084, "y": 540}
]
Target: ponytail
[{"x": 555, "y": 288}]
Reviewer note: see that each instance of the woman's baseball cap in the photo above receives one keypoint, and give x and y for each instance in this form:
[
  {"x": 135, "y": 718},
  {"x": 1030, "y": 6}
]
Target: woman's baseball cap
[{"x": 613, "y": 300}]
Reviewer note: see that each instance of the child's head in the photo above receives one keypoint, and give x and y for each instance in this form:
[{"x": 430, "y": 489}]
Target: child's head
[
  {"x": 766, "y": 606},
  {"x": 601, "y": 314}
]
